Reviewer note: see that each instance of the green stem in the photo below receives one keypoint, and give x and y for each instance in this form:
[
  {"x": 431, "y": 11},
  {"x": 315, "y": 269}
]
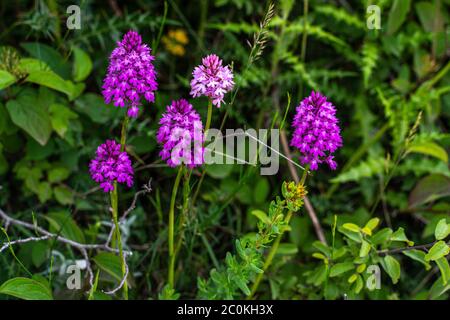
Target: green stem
[
  {"x": 305, "y": 174},
  {"x": 208, "y": 117},
  {"x": 123, "y": 134},
  {"x": 207, "y": 126},
  {"x": 115, "y": 205},
  {"x": 268, "y": 262},
  {"x": 171, "y": 228},
  {"x": 276, "y": 244}
]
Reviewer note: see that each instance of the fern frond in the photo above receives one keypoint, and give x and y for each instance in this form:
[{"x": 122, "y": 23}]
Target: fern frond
[
  {"x": 364, "y": 169},
  {"x": 341, "y": 15},
  {"x": 368, "y": 61}
]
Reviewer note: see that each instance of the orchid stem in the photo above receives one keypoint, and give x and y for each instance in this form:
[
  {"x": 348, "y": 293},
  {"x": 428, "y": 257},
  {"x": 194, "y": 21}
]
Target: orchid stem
[
  {"x": 171, "y": 228},
  {"x": 208, "y": 117},
  {"x": 115, "y": 205}
]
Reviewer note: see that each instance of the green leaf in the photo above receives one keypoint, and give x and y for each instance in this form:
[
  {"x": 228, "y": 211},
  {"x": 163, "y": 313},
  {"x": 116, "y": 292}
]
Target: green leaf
[
  {"x": 242, "y": 285},
  {"x": 60, "y": 118},
  {"x": 442, "y": 230},
  {"x": 351, "y": 227},
  {"x": 444, "y": 268},
  {"x": 110, "y": 263},
  {"x": 364, "y": 169},
  {"x": 30, "y": 116},
  {"x": 372, "y": 223},
  {"x": 437, "y": 251},
  {"x": 53, "y": 81},
  {"x": 322, "y": 248},
  {"x": 430, "y": 188},
  {"x": 397, "y": 15},
  {"x": 261, "y": 215},
  {"x": 399, "y": 235},
  {"x": 359, "y": 284},
  {"x": 261, "y": 191},
  {"x": 44, "y": 192},
  {"x": 95, "y": 108},
  {"x": 26, "y": 289},
  {"x": 58, "y": 174},
  {"x": 6, "y": 79},
  {"x": 39, "y": 253},
  {"x": 438, "y": 289},
  {"x": 429, "y": 148},
  {"x": 319, "y": 256},
  {"x": 29, "y": 65},
  {"x": 381, "y": 236},
  {"x": 82, "y": 65},
  {"x": 365, "y": 249},
  {"x": 418, "y": 256},
  {"x": 340, "y": 268},
  {"x": 353, "y": 278},
  {"x": 427, "y": 15},
  {"x": 392, "y": 267},
  {"x": 286, "y": 249},
  {"x": 64, "y": 223},
  {"x": 219, "y": 171},
  {"x": 63, "y": 195},
  {"x": 50, "y": 56}
]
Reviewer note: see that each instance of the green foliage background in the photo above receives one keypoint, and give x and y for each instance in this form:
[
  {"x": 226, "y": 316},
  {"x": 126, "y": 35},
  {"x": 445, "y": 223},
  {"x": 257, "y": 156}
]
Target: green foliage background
[{"x": 52, "y": 118}]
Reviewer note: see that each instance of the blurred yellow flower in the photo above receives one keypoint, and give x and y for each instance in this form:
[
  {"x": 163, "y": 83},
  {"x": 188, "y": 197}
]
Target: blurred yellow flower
[{"x": 175, "y": 41}]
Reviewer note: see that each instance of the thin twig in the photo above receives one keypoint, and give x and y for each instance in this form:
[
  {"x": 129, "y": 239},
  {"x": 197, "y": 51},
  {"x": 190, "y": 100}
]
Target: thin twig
[
  {"x": 397, "y": 250},
  {"x": 30, "y": 239},
  {"x": 59, "y": 238},
  {"x": 146, "y": 188},
  {"x": 124, "y": 279}
]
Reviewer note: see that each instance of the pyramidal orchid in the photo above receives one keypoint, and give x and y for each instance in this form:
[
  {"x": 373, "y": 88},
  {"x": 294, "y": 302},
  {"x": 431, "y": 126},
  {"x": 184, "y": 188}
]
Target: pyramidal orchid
[
  {"x": 131, "y": 75},
  {"x": 110, "y": 165},
  {"x": 181, "y": 135},
  {"x": 212, "y": 79},
  {"x": 316, "y": 131}
]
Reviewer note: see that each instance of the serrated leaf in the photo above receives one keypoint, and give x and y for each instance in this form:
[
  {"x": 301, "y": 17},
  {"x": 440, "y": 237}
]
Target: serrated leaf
[
  {"x": 58, "y": 174},
  {"x": 63, "y": 195},
  {"x": 26, "y": 289},
  {"x": 44, "y": 191},
  {"x": 30, "y": 116},
  {"x": 60, "y": 117},
  {"x": 242, "y": 285},
  {"x": 364, "y": 169}
]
